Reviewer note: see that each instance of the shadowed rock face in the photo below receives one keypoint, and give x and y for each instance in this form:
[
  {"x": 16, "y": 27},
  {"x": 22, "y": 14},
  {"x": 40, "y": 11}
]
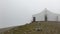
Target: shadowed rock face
[{"x": 49, "y": 27}]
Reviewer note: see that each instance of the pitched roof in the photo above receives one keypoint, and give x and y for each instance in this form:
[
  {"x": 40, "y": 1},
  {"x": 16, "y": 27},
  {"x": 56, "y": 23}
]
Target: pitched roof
[{"x": 46, "y": 11}]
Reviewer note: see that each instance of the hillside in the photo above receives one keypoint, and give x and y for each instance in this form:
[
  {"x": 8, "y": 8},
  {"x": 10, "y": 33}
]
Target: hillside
[{"x": 36, "y": 28}]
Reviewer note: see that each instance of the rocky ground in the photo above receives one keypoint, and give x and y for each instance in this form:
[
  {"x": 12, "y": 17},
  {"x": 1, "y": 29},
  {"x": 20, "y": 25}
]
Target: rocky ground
[{"x": 36, "y": 28}]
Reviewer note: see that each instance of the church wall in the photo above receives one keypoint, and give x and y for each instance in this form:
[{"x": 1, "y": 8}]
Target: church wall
[{"x": 50, "y": 16}]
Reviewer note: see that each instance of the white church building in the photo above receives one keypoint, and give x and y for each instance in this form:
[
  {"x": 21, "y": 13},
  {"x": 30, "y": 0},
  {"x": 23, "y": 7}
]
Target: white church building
[{"x": 46, "y": 15}]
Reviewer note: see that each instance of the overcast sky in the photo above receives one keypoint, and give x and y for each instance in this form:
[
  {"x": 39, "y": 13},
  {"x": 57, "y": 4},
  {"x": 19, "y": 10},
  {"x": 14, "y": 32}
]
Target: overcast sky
[{"x": 19, "y": 12}]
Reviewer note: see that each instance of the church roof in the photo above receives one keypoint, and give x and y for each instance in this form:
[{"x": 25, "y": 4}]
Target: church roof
[{"x": 46, "y": 11}]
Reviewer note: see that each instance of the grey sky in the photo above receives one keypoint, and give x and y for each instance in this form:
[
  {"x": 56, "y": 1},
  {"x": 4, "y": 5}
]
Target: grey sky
[{"x": 19, "y": 12}]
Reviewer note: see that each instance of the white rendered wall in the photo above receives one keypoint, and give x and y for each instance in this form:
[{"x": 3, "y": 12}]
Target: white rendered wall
[{"x": 50, "y": 16}]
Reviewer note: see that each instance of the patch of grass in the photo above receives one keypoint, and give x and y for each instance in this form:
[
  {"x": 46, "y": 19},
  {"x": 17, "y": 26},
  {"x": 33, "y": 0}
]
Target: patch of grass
[{"x": 47, "y": 28}]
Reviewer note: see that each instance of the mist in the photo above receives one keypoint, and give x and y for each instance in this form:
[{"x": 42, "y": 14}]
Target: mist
[{"x": 19, "y": 12}]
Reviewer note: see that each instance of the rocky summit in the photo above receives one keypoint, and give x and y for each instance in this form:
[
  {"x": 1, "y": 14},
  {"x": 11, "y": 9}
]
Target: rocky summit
[{"x": 42, "y": 27}]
